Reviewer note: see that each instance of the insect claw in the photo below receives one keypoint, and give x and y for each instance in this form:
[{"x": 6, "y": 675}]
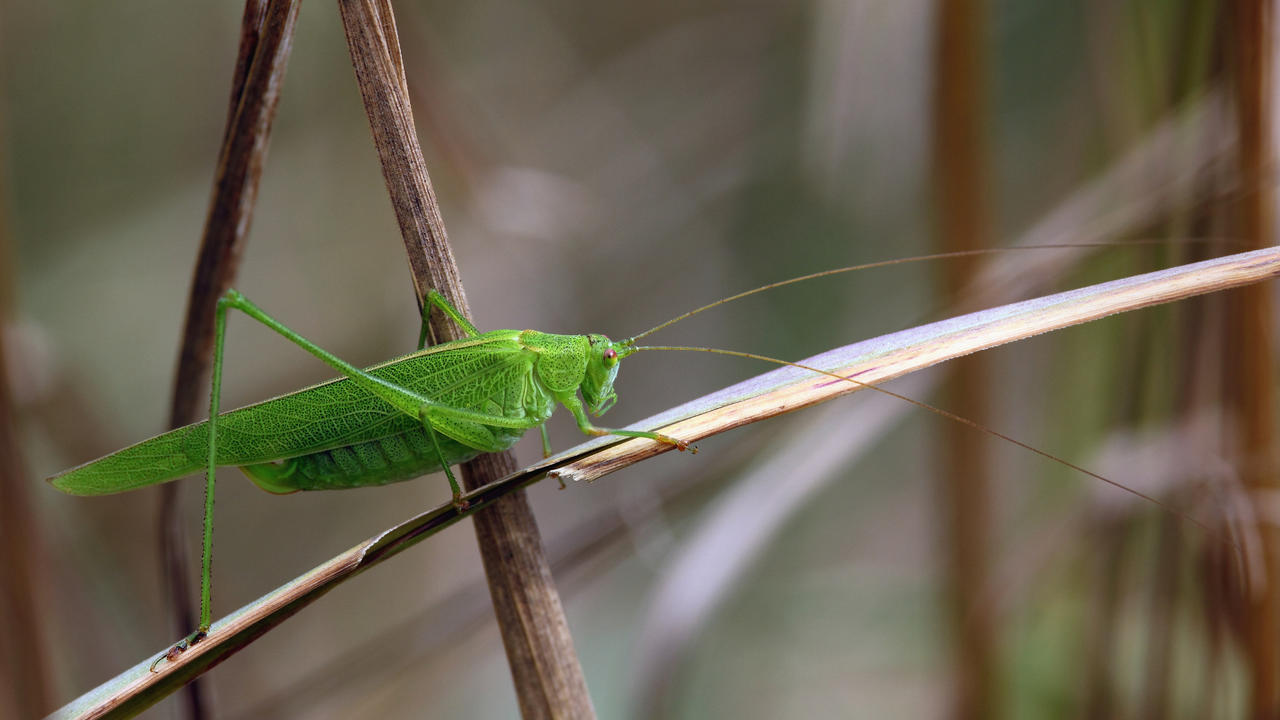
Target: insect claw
[
  {"x": 180, "y": 647},
  {"x": 680, "y": 445}
]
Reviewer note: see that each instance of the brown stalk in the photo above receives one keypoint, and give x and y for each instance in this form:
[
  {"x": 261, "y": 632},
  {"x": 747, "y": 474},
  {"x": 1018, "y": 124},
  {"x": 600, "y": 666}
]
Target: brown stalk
[
  {"x": 25, "y": 688},
  {"x": 961, "y": 224},
  {"x": 266, "y": 37},
  {"x": 1249, "y": 379},
  {"x": 544, "y": 665}
]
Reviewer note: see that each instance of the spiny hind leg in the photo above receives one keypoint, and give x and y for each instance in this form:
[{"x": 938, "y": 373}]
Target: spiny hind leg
[
  {"x": 206, "y": 544},
  {"x": 404, "y": 400},
  {"x": 433, "y": 415}
]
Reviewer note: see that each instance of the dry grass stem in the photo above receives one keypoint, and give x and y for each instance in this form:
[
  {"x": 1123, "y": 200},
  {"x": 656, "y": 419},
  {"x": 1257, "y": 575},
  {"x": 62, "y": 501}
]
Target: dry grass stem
[{"x": 890, "y": 356}]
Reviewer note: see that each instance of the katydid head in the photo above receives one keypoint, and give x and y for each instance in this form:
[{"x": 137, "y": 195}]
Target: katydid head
[{"x": 602, "y": 369}]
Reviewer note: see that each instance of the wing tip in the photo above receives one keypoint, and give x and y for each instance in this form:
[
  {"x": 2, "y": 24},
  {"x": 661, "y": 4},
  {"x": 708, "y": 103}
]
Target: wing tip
[{"x": 66, "y": 482}]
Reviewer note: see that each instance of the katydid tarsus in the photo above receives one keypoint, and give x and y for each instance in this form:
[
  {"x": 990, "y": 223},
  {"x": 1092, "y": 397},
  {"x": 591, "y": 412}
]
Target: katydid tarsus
[{"x": 403, "y": 418}]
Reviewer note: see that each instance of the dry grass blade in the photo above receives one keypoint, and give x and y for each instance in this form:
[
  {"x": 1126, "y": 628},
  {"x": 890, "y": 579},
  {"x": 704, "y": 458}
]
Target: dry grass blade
[
  {"x": 890, "y": 356},
  {"x": 764, "y": 396}
]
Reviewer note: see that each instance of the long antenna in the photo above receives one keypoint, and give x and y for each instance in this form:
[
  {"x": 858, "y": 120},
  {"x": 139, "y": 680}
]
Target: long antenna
[
  {"x": 884, "y": 263},
  {"x": 966, "y": 421},
  {"x": 935, "y": 256}
]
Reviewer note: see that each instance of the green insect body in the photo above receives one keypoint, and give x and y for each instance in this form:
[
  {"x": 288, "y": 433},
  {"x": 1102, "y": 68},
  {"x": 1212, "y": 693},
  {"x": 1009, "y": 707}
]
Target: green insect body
[{"x": 338, "y": 435}]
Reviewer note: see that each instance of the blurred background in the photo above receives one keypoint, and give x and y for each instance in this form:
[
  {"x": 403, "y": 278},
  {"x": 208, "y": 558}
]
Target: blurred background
[{"x": 603, "y": 168}]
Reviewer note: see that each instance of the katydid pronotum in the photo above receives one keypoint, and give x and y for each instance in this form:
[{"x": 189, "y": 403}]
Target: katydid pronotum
[{"x": 397, "y": 420}]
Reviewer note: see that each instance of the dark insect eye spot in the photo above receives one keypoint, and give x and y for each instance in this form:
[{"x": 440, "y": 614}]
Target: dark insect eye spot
[{"x": 610, "y": 354}]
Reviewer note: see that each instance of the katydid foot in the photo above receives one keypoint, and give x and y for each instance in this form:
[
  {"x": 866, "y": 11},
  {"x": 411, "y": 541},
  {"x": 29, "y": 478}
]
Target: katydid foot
[
  {"x": 182, "y": 645},
  {"x": 680, "y": 445},
  {"x": 459, "y": 503}
]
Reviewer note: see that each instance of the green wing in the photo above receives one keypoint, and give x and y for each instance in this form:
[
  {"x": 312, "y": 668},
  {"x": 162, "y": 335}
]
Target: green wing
[{"x": 491, "y": 373}]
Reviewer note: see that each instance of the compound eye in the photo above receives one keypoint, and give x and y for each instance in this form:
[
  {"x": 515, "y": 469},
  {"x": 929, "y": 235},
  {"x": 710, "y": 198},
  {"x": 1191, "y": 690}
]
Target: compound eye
[{"x": 610, "y": 356}]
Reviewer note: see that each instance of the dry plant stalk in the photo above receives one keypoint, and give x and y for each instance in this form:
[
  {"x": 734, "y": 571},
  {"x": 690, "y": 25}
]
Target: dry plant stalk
[
  {"x": 1249, "y": 373},
  {"x": 961, "y": 223},
  {"x": 24, "y": 658},
  {"x": 544, "y": 664},
  {"x": 266, "y": 37},
  {"x": 25, "y": 684}
]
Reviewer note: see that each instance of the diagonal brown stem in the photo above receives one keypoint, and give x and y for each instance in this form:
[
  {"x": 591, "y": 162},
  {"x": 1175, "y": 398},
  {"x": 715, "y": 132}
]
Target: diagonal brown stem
[
  {"x": 266, "y": 37},
  {"x": 24, "y": 654},
  {"x": 544, "y": 664}
]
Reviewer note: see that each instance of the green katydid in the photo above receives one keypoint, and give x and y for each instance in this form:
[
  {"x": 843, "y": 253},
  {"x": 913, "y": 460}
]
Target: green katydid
[
  {"x": 394, "y": 421},
  {"x": 398, "y": 420}
]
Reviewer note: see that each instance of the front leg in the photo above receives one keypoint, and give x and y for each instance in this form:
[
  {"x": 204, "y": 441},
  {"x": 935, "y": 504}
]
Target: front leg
[{"x": 574, "y": 405}]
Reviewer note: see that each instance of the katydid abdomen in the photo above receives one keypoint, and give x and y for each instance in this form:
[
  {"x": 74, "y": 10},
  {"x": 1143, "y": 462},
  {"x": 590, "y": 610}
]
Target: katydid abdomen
[{"x": 394, "y": 458}]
